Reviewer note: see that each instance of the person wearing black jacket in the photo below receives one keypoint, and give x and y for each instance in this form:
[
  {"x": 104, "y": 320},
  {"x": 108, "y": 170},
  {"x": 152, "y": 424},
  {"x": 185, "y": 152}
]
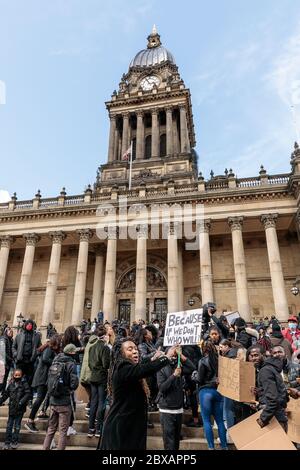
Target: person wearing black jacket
[
  {"x": 25, "y": 348},
  {"x": 125, "y": 427},
  {"x": 170, "y": 401},
  {"x": 48, "y": 353},
  {"x": 98, "y": 361},
  {"x": 242, "y": 336},
  {"x": 272, "y": 395},
  {"x": 9, "y": 361},
  {"x": 193, "y": 353},
  {"x": 61, "y": 405},
  {"x": 18, "y": 392}
]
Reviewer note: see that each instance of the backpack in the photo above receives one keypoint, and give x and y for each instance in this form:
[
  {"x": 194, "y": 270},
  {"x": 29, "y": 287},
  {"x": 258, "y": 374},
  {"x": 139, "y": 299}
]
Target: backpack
[{"x": 56, "y": 379}]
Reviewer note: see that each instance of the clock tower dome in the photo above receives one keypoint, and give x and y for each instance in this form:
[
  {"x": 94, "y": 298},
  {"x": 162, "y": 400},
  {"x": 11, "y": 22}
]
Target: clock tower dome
[{"x": 151, "y": 112}]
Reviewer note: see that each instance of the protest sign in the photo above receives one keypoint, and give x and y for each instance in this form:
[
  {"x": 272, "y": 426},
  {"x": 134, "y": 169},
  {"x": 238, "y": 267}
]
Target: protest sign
[
  {"x": 183, "y": 327},
  {"x": 236, "y": 379},
  {"x": 293, "y": 410},
  {"x": 2, "y": 359},
  {"x": 248, "y": 435},
  {"x": 231, "y": 316}
]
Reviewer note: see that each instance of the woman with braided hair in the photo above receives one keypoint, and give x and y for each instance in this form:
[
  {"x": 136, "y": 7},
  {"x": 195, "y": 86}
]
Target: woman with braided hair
[{"x": 129, "y": 392}]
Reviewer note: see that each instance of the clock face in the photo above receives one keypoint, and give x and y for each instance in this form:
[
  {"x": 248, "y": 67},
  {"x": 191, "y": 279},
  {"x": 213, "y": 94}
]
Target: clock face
[{"x": 148, "y": 82}]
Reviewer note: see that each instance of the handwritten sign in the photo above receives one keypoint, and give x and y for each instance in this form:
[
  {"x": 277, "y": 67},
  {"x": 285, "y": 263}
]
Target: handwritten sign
[
  {"x": 183, "y": 327},
  {"x": 248, "y": 435},
  {"x": 235, "y": 379}
]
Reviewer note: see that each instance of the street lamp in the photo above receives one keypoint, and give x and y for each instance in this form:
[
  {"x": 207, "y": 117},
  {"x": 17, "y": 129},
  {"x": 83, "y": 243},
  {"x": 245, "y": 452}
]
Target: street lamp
[{"x": 295, "y": 290}]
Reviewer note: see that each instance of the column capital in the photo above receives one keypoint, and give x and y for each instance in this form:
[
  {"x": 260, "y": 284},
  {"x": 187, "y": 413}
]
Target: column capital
[
  {"x": 182, "y": 107},
  {"x": 269, "y": 220},
  {"x": 100, "y": 249},
  {"x": 139, "y": 113},
  {"x": 6, "y": 241},
  {"x": 112, "y": 117},
  {"x": 205, "y": 226},
  {"x": 84, "y": 234},
  {"x": 169, "y": 109},
  {"x": 142, "y": 231},
  {"x": 235, "y": 223},
  {"x": 31, "y": 238},
  {"x": 173, "y": 229},
  {"x": 154, "y": 111},
  {"x": 126, "y": 114},
  {"x": 57, "y": 237},
  {"x": 112, "y": 232}
]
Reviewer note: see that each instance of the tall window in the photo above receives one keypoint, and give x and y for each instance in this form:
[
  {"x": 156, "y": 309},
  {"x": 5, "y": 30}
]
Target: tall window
[
  {"x": 148, "y": 147},
  {"x": 163, "y": 145}
]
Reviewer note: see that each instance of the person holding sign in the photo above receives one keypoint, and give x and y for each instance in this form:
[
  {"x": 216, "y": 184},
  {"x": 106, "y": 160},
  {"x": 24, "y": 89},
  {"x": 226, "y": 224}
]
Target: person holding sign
[
  {"x": 170, "y": 397},
  {"x": 211, "y": 401}
]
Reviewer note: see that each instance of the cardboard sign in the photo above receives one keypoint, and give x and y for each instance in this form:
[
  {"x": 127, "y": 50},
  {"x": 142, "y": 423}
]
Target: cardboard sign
[
  {"x": 248, "y": 435},
  {"x": 293, "y": 409},
  {"x": 236, "y": 379},
  {"x": 183, "y": 327},
  {"x": 231, "y": 316}
]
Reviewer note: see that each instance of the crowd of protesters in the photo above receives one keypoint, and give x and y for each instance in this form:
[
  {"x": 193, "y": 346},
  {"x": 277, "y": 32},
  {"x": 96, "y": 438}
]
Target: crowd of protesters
[{"x": 126, "y": 372}]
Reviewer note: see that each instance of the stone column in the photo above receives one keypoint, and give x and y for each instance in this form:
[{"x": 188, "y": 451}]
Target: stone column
[
  {"x": 173, "y": 277},
  {"x": 140, "y": 136},
  {"x": 184, "y": 135},
  {"x": 277, "y": 280},
  {"x": 175, "y": 136},
  {"x": 141, "y": 275},
  {"x": 49, "y": 302},
  {"x": 23, "y": 293},
  {"x": 125, "y": 141},
  {"x": 5, "y": 244},
  {"x": 205, "y": 263},
  {"x": 81, "y": 272},
  {"x": 109, "y": 298},
  {"x": 169, "y": 128},
  {"x": 155, "y": 134},
  {"x": 111, "y": 145},
  {"x": 241, "y": 284},
  {"x": 116, "y": 145},
  {"x": 180, "y": 278},
  {"x": 98, "y": 279}
]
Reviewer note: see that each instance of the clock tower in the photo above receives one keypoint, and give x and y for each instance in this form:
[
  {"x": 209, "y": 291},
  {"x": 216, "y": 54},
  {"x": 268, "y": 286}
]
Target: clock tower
[{"x": 151, "y": 111}]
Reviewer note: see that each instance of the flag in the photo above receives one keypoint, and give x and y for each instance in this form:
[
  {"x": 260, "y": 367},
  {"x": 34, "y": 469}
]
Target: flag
[{"x": 126, "y": 155}]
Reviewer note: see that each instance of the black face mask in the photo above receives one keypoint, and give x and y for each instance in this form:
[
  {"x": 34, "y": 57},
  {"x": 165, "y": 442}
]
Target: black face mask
[{"x": 18, "y": 379}]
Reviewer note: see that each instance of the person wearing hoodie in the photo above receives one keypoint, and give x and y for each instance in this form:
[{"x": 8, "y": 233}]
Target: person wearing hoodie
[
  {"x": 277, "y": 339},
  {"x": 242, "y": 336},
  {"x": 98, "y": 362},
  {"x": 25, "y": 348},
  {"x": 292, "y": 333},
  {"x": 272, "y": 395},
  {"x": 170, "y": 397},
  {"x": 291, "y": 369},
  {"x": 63, "y": 374}
]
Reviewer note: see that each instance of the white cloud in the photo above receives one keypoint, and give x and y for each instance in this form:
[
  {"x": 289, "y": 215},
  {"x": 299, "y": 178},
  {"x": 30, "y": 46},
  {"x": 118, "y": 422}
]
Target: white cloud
[
  {"x": 4, "y": 196},
  {"x": 285, "y": 76}
]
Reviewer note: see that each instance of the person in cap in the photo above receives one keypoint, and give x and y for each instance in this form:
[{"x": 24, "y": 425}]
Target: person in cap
[
  {"x": 242, "y": 337},
  {"x": 277, "y": 339},
  {"x": 292, "y": 332},
  {"x": 62, "y": 381}
]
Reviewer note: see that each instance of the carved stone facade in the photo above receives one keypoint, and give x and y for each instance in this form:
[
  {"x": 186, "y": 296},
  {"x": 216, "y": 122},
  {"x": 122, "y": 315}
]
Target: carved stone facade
[{"x": 243, "y": 253}]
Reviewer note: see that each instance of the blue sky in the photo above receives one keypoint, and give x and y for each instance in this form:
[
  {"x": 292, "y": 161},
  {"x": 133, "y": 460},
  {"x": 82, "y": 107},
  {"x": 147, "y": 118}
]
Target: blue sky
[{"x": 60, "y": 60}]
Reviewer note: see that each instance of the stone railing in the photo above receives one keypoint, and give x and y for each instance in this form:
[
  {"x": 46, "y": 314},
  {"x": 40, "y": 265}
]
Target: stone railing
[{"x": 161, "y": 192}]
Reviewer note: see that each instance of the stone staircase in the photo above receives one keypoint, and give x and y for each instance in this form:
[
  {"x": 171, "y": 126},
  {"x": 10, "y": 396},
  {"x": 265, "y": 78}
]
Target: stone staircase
[{"x": 193, "y": 438}]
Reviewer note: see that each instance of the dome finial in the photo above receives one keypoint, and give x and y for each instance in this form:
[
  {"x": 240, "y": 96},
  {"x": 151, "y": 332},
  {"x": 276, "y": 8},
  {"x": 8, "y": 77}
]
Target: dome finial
[
  {"x": 153, "y": 39},
  {"x": 154, "y": 30}
]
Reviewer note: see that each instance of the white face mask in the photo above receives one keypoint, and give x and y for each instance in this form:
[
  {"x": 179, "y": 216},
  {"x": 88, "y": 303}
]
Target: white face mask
[{"x": 156, "y": 325}]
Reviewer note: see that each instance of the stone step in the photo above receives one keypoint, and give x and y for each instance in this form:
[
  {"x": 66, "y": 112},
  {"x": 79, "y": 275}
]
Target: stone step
[{"x": 27, "y": 446}]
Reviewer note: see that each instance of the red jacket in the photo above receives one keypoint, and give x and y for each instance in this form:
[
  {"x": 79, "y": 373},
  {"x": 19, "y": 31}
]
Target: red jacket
[{"x": 292, "y": 338}]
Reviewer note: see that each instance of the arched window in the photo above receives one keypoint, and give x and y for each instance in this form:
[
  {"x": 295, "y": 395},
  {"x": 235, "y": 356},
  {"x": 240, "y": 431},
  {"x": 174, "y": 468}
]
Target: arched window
[
  {"x": 163, "y": 145},
  {"x": 148, "y": 147},
  {"x": 133, "y": 149}
]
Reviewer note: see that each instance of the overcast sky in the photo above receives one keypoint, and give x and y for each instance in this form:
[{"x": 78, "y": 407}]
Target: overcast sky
[{"x": 60, "y": 60}]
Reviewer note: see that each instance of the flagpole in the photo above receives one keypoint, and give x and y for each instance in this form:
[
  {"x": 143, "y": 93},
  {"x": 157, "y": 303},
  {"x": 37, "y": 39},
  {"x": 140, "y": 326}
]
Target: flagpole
[{"x": 130, "y": 164}]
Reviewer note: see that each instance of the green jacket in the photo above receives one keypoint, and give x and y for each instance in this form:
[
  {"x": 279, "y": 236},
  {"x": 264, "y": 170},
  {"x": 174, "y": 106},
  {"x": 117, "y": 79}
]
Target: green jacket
[
  {"x": 99, "y": 361},
  {"x": 85, "y": 374}
]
